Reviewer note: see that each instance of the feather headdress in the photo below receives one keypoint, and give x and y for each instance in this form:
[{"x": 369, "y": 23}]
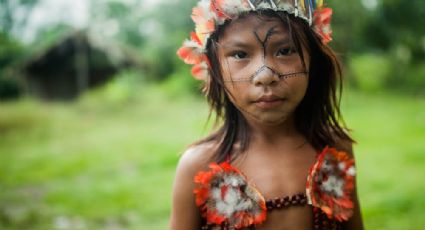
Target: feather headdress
[{"x": 209, "y": 14}]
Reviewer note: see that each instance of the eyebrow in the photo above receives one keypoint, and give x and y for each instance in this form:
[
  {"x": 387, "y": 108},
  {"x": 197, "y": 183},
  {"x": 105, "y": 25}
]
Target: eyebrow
[
  {"x": 280, "y": 41},
  {"x": 235, "y": 44},
  {"x": 240, "y": 44}
]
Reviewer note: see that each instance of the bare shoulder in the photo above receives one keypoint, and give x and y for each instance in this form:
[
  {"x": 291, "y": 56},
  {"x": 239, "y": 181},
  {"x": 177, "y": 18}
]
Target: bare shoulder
[
  {"x": 185, "y": 214},
  {"x": 346, "y": 146},
  {"x": 196, "y": 157},
  {"x": 343, "y": 144}
]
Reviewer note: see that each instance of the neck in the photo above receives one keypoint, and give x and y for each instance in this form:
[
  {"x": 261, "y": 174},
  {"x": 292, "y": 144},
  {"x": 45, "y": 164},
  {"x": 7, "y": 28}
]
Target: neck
[{"x": 282, "y": 133}]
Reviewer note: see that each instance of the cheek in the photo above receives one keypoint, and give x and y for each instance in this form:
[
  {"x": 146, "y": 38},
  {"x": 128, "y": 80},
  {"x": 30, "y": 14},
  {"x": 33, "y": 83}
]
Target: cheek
[
  {"x": 238, "y": 93},
  {"x": 232, "y": 70},
  {"x": 299, "y": 88},
  {"x": 296, "y": 88}
]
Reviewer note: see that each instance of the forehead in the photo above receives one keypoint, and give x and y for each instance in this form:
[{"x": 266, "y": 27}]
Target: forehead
[{"x": 246, "y": 27}]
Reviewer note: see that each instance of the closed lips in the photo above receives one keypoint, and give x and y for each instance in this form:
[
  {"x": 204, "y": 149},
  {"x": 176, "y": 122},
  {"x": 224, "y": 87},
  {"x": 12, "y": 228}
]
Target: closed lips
[
  {"x": 271, "y": 98},
  {"x": 268, "y": 102}
]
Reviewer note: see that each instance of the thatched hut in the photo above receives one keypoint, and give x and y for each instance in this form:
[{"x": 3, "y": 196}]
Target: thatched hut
[{"x": 73, "y": 64}]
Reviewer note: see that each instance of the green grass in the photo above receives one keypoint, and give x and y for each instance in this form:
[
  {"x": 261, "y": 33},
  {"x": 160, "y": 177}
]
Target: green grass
[
  {"x": 390, "y": 130},
  {"x": 110, "y": 160},
  {"x": 95, "y": 163}
]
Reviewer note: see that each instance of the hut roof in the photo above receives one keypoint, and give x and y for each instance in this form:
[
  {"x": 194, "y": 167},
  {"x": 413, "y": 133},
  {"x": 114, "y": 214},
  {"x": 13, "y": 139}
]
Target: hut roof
[{"x": 118, "y": 54}]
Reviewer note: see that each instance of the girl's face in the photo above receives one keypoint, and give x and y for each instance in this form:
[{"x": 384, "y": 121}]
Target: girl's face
[{"x": 264, "y": 75}]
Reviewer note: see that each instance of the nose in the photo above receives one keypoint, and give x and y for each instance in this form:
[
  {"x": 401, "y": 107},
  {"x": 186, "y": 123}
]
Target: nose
[{"x": 265, "y": 76}]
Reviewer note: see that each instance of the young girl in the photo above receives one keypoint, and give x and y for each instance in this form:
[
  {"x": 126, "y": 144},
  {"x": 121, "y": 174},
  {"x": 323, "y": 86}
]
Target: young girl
[{"x": 280, "y": 159}]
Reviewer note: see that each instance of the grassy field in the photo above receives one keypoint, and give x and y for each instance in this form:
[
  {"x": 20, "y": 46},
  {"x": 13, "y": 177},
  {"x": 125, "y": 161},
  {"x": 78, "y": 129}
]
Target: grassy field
[{"x": 107, "y": 162}]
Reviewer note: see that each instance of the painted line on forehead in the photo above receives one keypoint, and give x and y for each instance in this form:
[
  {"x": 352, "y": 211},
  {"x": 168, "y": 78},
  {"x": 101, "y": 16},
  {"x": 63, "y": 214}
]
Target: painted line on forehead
[{"x": 263, "y": 42}]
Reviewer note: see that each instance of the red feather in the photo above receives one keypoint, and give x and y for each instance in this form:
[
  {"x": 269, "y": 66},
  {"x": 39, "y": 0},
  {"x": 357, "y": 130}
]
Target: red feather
[
  {"x": 200, "y": 71},
  {"x": 191, "y": 53},
  {"x": 322, "y": 21},
  {"x": 194, "y": 37}
]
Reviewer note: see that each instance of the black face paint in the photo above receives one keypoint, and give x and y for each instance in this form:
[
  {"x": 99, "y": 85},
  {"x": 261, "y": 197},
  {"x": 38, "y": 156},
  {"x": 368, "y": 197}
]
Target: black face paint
[
  {"x": 264, "y": 66},
  {"x": 282, "y": 76},
  {"x": 263, "y": 43}
]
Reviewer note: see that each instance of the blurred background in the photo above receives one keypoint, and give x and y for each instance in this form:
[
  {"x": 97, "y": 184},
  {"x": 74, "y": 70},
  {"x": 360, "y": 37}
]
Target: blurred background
[{"x": 90, "y": 92}]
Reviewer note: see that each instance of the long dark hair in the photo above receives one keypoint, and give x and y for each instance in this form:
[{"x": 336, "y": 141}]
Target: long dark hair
[{"x": 318, "y": 115}]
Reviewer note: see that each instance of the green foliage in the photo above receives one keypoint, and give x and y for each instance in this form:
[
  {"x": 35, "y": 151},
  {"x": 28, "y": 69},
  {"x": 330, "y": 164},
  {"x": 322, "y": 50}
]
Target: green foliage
[
  {"x": 11, "y": 12},
  {"x": 9, "y": 89},
  {"x": 169, "y": 24},
  {"x": 181, "y": 82},
  {"x": 126, "y": 16},
  {"x": 370, "y": 72},
  {"x": 393, "y": 30},
  {"x": 121, "y": 90},
  {"x": 348, "y": 21},
  {"x": 10, "y": 51},
  {"x": 379, "y": 71},
  {"x": 416, "y": 79}
]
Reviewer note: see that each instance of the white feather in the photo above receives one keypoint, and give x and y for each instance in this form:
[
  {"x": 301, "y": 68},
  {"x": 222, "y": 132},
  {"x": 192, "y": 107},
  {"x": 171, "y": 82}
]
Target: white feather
[
  {"x": 351, "y": 171},
  {"x": 224, "y": 209},
  {"x": 244, "y": 205},
  {"x": 341, "y": 166},
  {"x": 205, "y": 6},
  {"x": 333, "y": 185},
  {"x": 233, "y": 180},
  {"x": 192, "y": 44},
  {"x": 234, "y": 7},
  {"x": 232, "y": 196}
]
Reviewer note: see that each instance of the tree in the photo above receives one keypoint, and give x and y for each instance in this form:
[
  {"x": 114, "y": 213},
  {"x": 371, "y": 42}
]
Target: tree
[
  {"x": 10, "y": 50},
  {"x": 14, "y": 15}
]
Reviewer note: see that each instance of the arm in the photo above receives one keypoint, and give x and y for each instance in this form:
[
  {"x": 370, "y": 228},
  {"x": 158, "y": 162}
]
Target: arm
[
  {"x": 356, "y": 221},
  {"x": 185, "y": 214}
]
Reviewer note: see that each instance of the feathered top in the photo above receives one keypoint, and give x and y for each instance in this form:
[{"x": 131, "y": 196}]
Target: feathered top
[{"x": 225, "y": 197}]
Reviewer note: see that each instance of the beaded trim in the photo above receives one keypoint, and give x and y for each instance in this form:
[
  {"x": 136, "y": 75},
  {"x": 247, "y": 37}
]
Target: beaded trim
[
  {"x": 299, "y": 199},
  {"x": 322, "y": 222},
  {"x": 320, "y": 219}
]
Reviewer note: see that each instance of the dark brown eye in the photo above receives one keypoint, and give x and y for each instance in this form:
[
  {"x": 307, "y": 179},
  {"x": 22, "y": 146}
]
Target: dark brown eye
[
  {"x": 239, "y": 55},
  {"x": 285, "y": 52}
]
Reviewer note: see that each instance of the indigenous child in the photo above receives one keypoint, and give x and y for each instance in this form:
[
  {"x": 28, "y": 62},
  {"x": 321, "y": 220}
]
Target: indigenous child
[{"x": 281, "y": 159}]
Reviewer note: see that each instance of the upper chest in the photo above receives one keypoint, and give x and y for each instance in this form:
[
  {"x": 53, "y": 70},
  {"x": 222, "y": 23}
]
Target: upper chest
[{"x": 279, "y": 173}]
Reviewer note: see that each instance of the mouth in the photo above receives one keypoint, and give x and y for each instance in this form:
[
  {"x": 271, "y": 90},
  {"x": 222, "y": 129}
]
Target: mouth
[{"x": 269, "y": 101}]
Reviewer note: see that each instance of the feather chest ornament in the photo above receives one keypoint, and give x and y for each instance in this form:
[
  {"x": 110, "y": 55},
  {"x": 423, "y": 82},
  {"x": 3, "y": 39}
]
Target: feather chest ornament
[
  {"x": 209, "y": 14},
  {"x": 330, "y": 184},
  {"x": 225, "y": 197}
]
